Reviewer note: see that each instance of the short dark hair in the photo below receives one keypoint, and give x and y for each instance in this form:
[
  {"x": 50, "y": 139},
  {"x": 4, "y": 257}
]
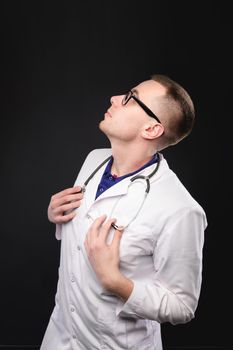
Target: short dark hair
[{"x": 180, "y": 108}]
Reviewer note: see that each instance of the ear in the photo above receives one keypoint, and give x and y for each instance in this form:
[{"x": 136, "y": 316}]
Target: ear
[{"x": 152, "y": 130}]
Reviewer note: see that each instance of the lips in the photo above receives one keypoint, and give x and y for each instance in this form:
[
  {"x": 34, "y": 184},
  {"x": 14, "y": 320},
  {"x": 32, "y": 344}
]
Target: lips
[{"x": 108, "y": 113}]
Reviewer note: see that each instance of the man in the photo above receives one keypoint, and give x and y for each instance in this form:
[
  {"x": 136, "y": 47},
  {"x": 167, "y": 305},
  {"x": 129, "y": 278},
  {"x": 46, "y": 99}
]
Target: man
[{"x": 131, "y": 249}]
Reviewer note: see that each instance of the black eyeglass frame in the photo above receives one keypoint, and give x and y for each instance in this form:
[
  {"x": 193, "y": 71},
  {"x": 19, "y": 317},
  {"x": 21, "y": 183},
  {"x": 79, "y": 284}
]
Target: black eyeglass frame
[{"x": 130, "y": 95}]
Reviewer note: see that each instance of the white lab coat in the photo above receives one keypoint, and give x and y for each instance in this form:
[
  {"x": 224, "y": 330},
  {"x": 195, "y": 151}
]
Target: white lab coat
[{"x": 160, "y": 251}]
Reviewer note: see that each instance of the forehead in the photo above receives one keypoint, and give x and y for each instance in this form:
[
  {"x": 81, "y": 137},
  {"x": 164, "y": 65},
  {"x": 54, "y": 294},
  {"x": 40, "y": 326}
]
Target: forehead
[{"x": 149, "y": 89}]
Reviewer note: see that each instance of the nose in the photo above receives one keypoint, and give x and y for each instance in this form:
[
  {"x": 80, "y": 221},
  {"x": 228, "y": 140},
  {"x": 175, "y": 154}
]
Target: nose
[{"x": 116, "y": 100}]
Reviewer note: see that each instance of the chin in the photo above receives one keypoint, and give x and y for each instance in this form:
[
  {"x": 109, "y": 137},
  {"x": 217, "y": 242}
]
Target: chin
[{"x": 102, "y": 126}]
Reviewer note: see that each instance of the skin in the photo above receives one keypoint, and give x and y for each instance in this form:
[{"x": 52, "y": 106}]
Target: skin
[
  {"x": 62, "y": 204},
  {"x": 127, "y": 127}
]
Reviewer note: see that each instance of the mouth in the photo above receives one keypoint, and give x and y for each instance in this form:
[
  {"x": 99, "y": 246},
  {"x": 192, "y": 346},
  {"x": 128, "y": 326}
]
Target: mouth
[{"x": 108, "y": 114}]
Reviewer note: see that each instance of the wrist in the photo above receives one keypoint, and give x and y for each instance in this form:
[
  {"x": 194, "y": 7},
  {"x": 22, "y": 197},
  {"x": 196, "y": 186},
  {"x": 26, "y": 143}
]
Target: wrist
[
  {"x": 118, "y": 284},
  {"x": 111, "y": 281}
]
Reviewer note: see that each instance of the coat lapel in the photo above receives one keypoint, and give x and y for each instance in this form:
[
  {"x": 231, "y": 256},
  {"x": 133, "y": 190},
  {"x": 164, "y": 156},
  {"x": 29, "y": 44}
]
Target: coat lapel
[
  {"x": 118, "y": 189},
  {"x": 128, "y": 205}
]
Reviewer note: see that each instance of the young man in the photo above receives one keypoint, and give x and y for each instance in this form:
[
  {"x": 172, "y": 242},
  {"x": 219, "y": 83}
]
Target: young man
[{"x": 132, "y": 237}]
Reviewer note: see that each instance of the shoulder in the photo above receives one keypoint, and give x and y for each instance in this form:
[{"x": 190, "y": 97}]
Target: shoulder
[
  {"x": 174, "y": 198},
  {"x": 97, "y": 155}
]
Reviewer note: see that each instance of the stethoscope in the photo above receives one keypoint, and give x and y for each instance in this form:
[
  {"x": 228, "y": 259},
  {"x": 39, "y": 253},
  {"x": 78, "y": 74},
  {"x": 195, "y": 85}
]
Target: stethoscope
[{"x": 136, "y": 177}]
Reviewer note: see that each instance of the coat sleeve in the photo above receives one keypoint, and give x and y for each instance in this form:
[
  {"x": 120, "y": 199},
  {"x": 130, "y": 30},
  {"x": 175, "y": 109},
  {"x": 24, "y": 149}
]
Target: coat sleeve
[{"x": 173, "y": 294}]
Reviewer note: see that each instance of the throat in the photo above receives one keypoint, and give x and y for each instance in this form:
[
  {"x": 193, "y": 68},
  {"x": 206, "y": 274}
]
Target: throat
[{"x": 118, "y": 171}]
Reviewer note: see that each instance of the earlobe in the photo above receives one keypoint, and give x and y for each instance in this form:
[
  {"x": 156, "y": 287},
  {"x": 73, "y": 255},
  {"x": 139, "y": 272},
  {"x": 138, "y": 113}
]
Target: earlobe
[{"x": 152, "y": 131}]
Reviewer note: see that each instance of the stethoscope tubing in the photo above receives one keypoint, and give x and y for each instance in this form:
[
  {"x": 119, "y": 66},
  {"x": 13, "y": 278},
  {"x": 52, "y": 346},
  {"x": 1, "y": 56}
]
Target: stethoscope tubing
[{"x": 136, "y": 177}]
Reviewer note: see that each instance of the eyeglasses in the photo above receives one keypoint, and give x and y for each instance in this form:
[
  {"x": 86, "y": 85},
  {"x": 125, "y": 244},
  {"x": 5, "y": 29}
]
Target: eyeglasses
[{"x": 130, "y": 95}]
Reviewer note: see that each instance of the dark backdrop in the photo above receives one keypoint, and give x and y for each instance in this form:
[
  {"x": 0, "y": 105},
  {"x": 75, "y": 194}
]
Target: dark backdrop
[{"x": 61, "y": 62}]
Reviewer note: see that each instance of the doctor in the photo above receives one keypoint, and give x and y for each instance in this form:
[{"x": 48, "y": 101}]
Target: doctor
[{"x": 132, "y": 237}]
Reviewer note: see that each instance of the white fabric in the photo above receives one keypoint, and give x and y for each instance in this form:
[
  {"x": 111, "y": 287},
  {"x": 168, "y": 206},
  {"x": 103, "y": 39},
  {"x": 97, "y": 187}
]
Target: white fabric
[{"x": 160, "y": 251}]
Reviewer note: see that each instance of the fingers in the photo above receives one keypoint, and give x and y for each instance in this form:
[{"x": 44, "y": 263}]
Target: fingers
[
  {"x": 101, "y": 254},
  {"x": 62, "y": 203},
  {"x": 106, "y": 227},
  {"x": 93, "y": 231},
  {"x": 95, "y": 227},
  {"x": 117, "y": 238},
  {"x": 67, "y": 191},
  {"x": 65, "y": 218},
  {"x": 100, "y": 230},
  {"x": 57, "y": 201}
]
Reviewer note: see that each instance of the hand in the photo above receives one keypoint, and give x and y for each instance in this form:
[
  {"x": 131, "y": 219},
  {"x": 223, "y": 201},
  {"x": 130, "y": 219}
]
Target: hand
[
  {"x": 104, "y": 257},
  {"x": 62, "y": 205}
]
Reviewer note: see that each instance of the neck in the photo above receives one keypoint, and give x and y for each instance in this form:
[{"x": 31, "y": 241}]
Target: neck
[{"x": 127, "y": 159}]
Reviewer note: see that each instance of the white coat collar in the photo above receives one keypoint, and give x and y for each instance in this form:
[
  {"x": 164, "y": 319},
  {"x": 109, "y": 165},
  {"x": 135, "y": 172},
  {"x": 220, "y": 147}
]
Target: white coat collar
[{"x": 119, "y": 189}]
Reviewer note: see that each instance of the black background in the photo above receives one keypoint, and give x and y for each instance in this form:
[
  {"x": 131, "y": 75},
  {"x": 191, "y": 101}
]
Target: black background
[{"x": 61, "y": 63}]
